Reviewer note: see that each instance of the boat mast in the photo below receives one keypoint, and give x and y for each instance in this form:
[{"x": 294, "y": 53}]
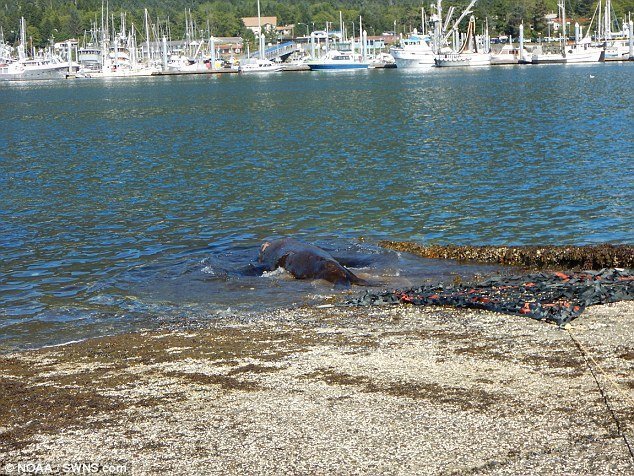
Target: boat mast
[
  {"x": 340, "y": 26},
  {"x": 466, "y": 12},
  {"x": 147, "y": 36},
  {"x": 361, "y": 38},
  {"x": 22, "y": 47},
  {"x": 599, "y": 22},
  {"x": 261, "y": 35},
  {"x": 437, "y": 20},
  {"x": 630, "y": 36},
  {"x": 562, "y": 8},
  {"x": 607, "y": 29}
]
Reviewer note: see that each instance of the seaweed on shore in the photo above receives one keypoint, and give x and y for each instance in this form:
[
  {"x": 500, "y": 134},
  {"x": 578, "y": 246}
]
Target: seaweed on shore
[
  {"x": 555, "y": 297},
  {"x": 593, "y": 257}
]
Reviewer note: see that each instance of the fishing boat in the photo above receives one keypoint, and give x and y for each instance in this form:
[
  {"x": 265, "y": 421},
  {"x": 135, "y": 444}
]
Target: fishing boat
[
  {"x": 469, "y": 54},
  {"x": 36, "y": 68},
  {"x": 414, "y": 51},
  {"x": 89, "y": 57},
  {"x": 583, "y": 53},
  {"x": 449, "y": 60},
  {"x": 45, "y": 65},
  {"x": 468, "y": 51},
  {"x": 619, "y": 44}
]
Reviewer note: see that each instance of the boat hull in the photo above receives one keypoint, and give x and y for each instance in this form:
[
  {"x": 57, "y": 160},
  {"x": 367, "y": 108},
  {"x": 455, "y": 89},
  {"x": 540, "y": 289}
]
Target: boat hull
[
  {"x": 585, "y": 56},
  {"x": 503, "y": 61},
  {"x": 58, "y": 72},
  {"x": 462, "y": 60},
  {"x": 406, "y": 59},
  {"x": 548, "y": 58},
  {"x": 331, "y": 67},
  {"x": 120, "y": 73}
]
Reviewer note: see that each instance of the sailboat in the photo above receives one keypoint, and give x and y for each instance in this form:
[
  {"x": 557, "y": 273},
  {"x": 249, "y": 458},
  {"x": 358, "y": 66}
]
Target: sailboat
[
  {"x": 260, "y": 64},
  {"x": 582, "y": 51},
  {"x": 334, "y": 59},
  {"x": 619, "y": 45},
  {"x": 116, "y": 56}
]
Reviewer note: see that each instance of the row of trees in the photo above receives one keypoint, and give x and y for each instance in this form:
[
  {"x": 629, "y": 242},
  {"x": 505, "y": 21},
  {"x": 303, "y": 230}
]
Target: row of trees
[{"x": 63, "y": 19}]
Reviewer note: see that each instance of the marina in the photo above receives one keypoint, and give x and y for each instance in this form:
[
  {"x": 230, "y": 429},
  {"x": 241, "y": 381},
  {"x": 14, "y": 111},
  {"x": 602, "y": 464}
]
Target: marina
[{"x": 117, "y": 51}]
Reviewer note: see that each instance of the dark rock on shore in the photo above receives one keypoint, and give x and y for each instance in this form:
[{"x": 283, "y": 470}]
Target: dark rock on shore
[{"x": 568, "y": 257}]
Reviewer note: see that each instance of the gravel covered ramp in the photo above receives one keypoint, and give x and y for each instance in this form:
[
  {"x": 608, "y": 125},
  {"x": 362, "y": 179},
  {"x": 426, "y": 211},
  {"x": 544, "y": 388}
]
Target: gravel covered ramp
[{"x": 392, "y": 390}]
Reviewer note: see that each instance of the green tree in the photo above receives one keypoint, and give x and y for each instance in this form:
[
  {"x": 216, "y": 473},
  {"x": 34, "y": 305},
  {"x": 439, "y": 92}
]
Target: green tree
[{"x": 74, "y": 24}]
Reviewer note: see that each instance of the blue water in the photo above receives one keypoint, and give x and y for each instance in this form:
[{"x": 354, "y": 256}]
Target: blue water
[{"x": 127, "y": 202}]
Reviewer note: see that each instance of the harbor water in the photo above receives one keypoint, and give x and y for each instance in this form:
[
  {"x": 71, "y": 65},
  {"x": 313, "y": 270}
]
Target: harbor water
[{"x": 129, "y": 203}]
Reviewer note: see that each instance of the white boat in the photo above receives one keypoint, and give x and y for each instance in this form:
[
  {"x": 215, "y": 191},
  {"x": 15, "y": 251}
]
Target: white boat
[
  {"x": 617, "y": 50},
  {"x": 382, "y": 60},
  {"x": 509, "y": 54},
  {"x": 541, "y": 57},
  {"x": 580, "y": 53},
  {"x": 338, "y": 60},
  {"x": 449, "y": 60},
  {"x": 49, "y": 67},
  {"x": 583, "y": 53},
  {"x": 89, "y": 57},
  {"x": 472, "y": 52},
  {"x": 260, "y": 64},
  {"x": 414, "y": 52},
  {"x": 43, "y": 66},
  {"x": 619, "y": 45},
  {"x": 257, "y": 65},
  {"x": 120, "y": 73}
]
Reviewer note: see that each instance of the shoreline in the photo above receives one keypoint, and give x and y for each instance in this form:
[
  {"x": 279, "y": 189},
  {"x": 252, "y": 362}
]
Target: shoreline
[{"x": 381, "y": 390}]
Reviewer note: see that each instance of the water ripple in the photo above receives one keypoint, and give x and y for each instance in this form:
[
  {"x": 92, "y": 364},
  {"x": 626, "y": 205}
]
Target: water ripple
[{"x": 99, "y": 179}]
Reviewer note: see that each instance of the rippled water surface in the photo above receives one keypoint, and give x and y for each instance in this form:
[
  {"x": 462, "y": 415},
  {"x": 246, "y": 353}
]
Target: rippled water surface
[{"x": 126, "y": 202}]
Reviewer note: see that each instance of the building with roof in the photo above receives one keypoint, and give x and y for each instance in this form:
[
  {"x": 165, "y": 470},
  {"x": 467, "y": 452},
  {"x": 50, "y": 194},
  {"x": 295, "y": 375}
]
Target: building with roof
[{"x": 252, "y": 23}]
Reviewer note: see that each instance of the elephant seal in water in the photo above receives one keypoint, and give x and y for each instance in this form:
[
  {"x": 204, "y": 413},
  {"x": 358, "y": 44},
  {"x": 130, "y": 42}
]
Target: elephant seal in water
[{"x": 305, "y": 261}]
